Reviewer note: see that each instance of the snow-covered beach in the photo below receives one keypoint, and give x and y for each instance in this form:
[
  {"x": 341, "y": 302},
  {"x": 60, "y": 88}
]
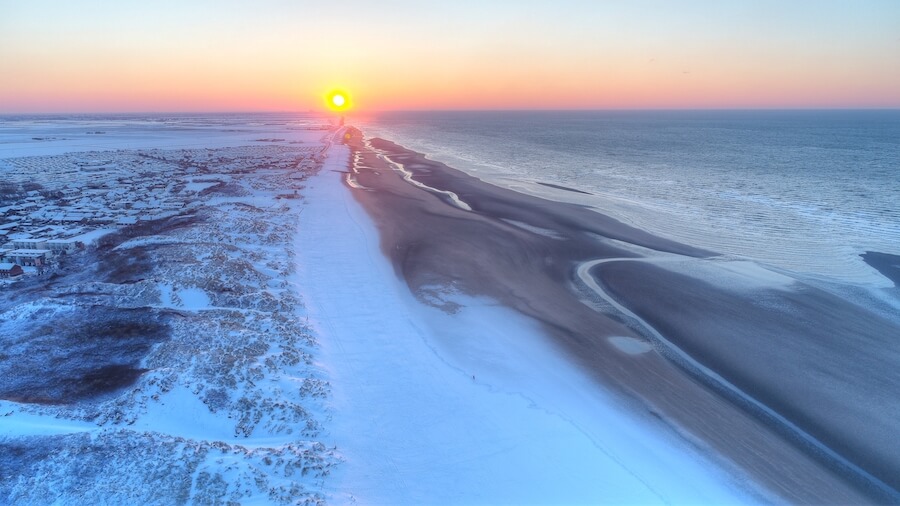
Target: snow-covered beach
[
  {"x": 473, "y": 405},
  {"x": 324, "y": 320}
]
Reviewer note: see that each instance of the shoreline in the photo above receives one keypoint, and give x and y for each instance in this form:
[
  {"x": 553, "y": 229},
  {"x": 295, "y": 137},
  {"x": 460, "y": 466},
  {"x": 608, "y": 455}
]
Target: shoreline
[
  {"x": 522, "y": 251},
  {"x": 468, "y": 403}
]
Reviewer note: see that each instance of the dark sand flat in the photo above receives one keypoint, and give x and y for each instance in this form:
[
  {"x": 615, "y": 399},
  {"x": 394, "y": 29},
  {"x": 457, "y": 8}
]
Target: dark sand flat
[
  {"x": 432, "y": 243},
  {"x": 825, "y": 365},
  {"x": 885, "y": 263}
]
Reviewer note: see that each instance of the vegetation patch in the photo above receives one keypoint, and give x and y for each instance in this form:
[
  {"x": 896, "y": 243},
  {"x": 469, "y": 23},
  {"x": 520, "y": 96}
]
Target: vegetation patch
[{"x": 71, "y": 358}]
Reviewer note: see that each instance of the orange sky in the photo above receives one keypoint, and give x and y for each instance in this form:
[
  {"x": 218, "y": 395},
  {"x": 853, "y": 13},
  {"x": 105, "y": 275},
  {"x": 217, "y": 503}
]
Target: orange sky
[{"x": 102, "y": 56}]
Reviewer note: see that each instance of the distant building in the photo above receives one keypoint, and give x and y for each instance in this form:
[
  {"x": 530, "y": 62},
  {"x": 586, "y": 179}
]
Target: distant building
[
  {"x": 70, "y": 218},
  {"x": 30, "y": 257},
  {"x": 58, "y": 246},
  {"x": 29, "y": 243},
  {"x": 8, "y": 270},
  {"x": 171, "y": 204}
]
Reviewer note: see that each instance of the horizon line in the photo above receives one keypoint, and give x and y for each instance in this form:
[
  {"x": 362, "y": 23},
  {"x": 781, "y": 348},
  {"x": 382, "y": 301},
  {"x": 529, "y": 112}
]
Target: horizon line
[{"x": 379, "y": 111}]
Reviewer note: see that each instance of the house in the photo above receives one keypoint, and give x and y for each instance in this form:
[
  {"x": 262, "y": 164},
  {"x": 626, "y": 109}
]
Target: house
[
  {"x": 58, "y": 246},
  {"x": 29, "y": 243},
  {"x": 171, "y": 204},
  {"x": 31, "y": 257},
  {"x": 8, "y": 270}
]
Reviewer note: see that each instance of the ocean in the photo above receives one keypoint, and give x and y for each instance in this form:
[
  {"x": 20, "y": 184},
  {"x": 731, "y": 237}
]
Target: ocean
[{"x": 801, "y": 191}]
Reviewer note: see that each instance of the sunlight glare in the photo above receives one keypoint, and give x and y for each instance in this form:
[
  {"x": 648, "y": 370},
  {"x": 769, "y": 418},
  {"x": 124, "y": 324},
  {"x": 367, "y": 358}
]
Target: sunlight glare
[{"x": 338, "y": 101}]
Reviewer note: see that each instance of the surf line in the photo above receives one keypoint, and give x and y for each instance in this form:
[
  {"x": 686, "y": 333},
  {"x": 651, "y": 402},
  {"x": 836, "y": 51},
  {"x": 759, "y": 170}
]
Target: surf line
[
  {"x": 352, "y": 164},
  {"x": 408, "y": 177},
  {"x": 350, "y": 176},
  {"x": 584, "y": 274}
]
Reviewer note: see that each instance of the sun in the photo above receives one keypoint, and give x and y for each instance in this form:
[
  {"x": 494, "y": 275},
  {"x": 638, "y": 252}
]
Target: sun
[{"x": 338, "y": 101}]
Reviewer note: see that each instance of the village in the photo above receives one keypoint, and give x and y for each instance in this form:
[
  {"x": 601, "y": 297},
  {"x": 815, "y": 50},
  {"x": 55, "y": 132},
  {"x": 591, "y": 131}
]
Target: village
[{"x": 83, "y": 196}]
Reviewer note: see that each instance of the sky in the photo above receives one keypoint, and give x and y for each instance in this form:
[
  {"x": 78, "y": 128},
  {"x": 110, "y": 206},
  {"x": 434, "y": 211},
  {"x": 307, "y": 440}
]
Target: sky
[{"x": 280, "y": 55}]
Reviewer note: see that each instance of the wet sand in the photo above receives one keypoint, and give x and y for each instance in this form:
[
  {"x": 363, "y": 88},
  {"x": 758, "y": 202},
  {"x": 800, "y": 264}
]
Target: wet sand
[
  {"x": 824, "y": 364},
  {"x": 524, "y": 251},
  {"x": 885, "y": 263}
]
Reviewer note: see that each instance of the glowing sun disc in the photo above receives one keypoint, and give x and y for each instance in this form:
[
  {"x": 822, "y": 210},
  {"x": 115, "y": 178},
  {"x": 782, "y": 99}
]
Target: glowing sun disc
[{"x": 338, "y": 101}]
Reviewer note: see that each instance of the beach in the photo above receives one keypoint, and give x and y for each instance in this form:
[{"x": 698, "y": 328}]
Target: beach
[
  {"x": 445, "y": 230},
  {"x": 452, "y": 398},
  {"x": 450, "y": 253},
  {"x": 289, "y": 311}
]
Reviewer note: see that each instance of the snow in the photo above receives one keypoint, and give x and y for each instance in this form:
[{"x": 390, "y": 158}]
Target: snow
[
  {"x": 230, "y": 404},
  {"x": 67, "y": 136},
  {"x": 474, "y": 407},
  {"x": 16, "y": 423},
  {"x": 193, "y": 298},
  {"x": 92, "y": 236},
  {"x": 199, "y": 187},
  {"x": 189, "y": 298},
  {"x": 630, "y": 345},
  {"x": 165, "y": 294},
  {"x": 181, "y": 413},
  {"x": 422, "y": 406}
]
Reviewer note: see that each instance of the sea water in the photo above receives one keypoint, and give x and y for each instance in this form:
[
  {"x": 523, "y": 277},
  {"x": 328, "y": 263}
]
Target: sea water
[{"x": 804, "y": 191}]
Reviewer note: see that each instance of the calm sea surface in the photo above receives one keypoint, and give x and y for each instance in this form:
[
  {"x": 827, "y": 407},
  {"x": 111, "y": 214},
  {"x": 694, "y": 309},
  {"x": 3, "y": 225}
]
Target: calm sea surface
[{"x": 806, "y": 191}]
